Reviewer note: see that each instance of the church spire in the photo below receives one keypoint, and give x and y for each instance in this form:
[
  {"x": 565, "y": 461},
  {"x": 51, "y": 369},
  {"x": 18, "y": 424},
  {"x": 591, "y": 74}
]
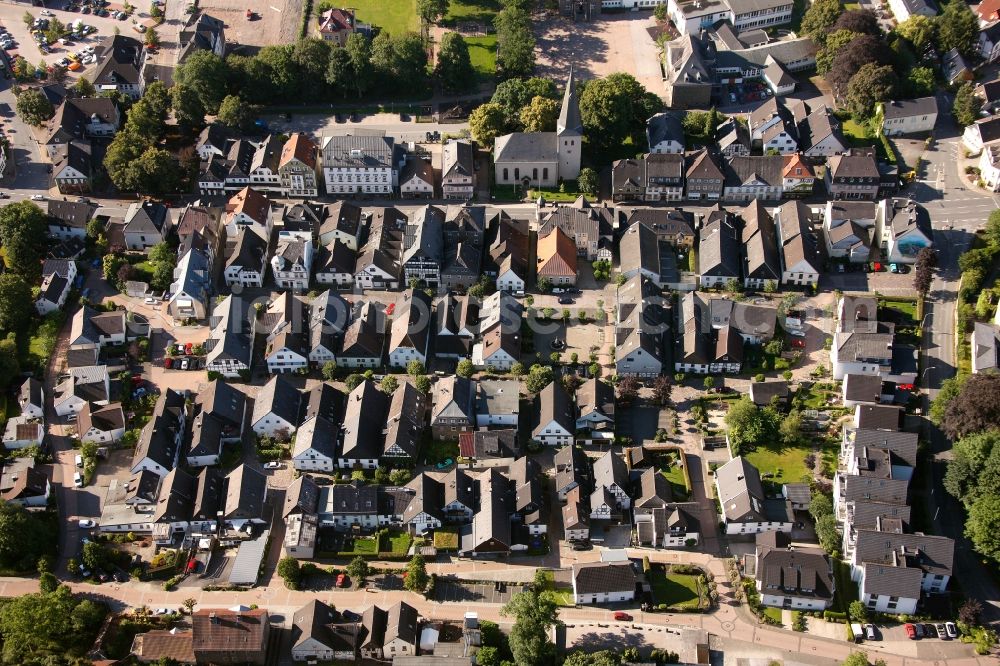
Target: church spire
[{"x": 569, "y": 115}]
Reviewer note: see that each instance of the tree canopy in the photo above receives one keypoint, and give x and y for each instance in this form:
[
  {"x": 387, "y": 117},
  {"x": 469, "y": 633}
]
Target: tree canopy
[
  {"x": 958, "y": 28},
  {"x": 967, "y": 105},
  {"x": 34, "y": 107},
  {"x": 871, "y": 85},
  {"x": 454, "y": 66},
  {"x": 540, "y": 115},
  {"x": 534, "y": 614},
  {"x": 23, "y": 228},
  {"x": 487, "y": 122},
  {"x": 820, "y": 17},
  {"x": 973, "y": 407},
  {"x": 615, "y": 108},
  {"x": 750, "y": 426},
  {"x": 48, "y": 625}
]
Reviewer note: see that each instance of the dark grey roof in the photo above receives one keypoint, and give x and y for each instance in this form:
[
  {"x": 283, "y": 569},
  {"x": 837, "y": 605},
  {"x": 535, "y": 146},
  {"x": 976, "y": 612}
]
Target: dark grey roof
[
  {"x": 908, "y": 108},
  {"x": 869, "y": 488},
  {"x": 664, "y": 127},
  {"x": 854, "y": 164},
  {"x": 157, "y": 439},
  {"x": 762, "y": 393},
  {"x": 206, "y": 436},
  {"x": 741, "y": 493},
  {"x": 654, "y": 489},
  {"x": 600, "y": 577},
  {"x": 323, "y": 400},
  {"x": 760, "y": 243},
  {"x": 803, "y": 572},
  {"x": 350, "y": 152},
  {"x": 903, "y": 445},
  {"x": 318, "y": 434},
  {"x": 405, "y": 422},
  {"x": 245, "y": 493},
  {"x": 930, "y": 554},
  {"x": 986, "y": 346},
  {"x": 863, "y": 388},
  {"x": 122, "y": 58},
  {"x": 905, "y": 215},
  {"x": 569, "y": 114},
  {"x": 867, "y": 515},
  {"x": 364, "y": 337},
  {"x": 365, "y": 412},
  {"x": 70, "y": 213},
  {"x": 223, "y": 401},
  {"x": 879, "y": 417},
  {"x": 301, "y": 496},
  {"x": 741, "y": 169},
  {"x": 554, "y": 404},
  {"x": 595, "y": 394},
  {"x": 719, "y": 249},
  {"x": 527, "y": 147},
  {"x": 423, "y": 238},
  {"x": 280, "y": 397},
  {"x": 610, "y": 470},
  {"x": 489, "y": 443},
  {"x": 417, "y": 168},
  {"x": 176, "y": 497}
]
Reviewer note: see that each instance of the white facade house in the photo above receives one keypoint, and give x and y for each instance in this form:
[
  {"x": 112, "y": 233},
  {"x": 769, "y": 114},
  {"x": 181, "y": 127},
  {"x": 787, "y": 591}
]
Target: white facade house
[
  {"x": 292, "y": 262},
  {"x": 603, "y": 582},
  {"x": 989, "y": 168},
  {"x": 416, "y": 180},
  {"x": 360, "y": 164},
  {"x": 983, "y": 132},
  {"x": 904, "y": 9},
  {"x": 909, "y": 116},
  {"x": 315, "y": 444},
  {"x": 247, "y": 265}
]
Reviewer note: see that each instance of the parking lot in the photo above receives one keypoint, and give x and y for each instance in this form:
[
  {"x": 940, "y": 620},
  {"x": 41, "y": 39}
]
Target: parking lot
[
  {"x": 450, "y": 590},
  {"x": 748, "y": 91}
]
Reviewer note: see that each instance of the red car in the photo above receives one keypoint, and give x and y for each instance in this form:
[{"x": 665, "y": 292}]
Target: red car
[
  {"x": 623, "y": 617},
  {"x": 798, "y": 343},
  {"x": 342, "y": 580},
  {"x": 168, "y": 363},
  {"x": 911, "y": 631},
  {"x": 392, "y": 308}
]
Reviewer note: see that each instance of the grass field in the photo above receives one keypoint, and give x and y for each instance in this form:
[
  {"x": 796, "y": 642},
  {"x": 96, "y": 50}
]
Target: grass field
[
  {"x": 483, "y": 54},
  {"x": 399, "y": 543},
  {"x": 773, "y": 613},
  {"x": 446, "y": 538},
  {"x": 480, "y": 11},
  {"x": 561, "y": 595},
  {"x": 786, "y": 463},
  {"x": 678, "y": 590},
  {"x": 393, "y": 16},
  {"x": 846, "y": 590},
  {"x": 675, "y": 475},
  {"x": 364, "y": 546}
]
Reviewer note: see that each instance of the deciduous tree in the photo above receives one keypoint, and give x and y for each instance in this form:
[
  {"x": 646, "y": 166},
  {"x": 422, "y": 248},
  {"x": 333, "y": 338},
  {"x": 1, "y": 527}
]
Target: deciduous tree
[
  {"x": 33, "y": 107},
  {"x": 918, "y": 30},
  {"x": 967, "y": 105},
  {"x": 861, "y": 21},
  {"x": 628, "y": 389},
  {"x": 615, "y": 108},
  {"x": 486, "y": 123},
  {"x": 587, "y": 181},
  {"x": 430, "y": 10},
  {"x": 923, "y": 271},
  {"x": 540, "y": 115},
  {"x": 983, "y": 525},
  {"x": 975, "y": 407},
  {"x": 534, "y": 614},
  {"x": 235, "y": 113},
  {"x": 16, "y": 309},
  {"x": 515, "y": 94},
  {"x": 416, "y": 574},
  {"x": 820, "y": 17},
  {"x": 206, "y": 74},
  {"x": 958, "y": 28},
  {"x": 454, "y": 66},
  {"x": 188, "y": 109},
  {"x": 869, "y": 86}
]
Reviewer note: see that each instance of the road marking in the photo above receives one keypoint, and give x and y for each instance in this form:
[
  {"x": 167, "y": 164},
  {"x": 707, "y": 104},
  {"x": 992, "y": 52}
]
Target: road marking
[{"x": 275, "y": 8}]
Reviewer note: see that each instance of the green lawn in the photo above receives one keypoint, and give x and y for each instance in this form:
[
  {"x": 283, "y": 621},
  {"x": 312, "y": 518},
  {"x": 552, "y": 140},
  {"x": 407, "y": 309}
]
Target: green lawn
[
  {"x": 399, "y": 543},
  {"x": 483, "y": 53},
  {"x": 786, "y": 463},
  {"x": 569, "y": 192},
  {"x": 446, "y": 538},
  {"x": 675, "y": 475},
  {"x": 364, "y": 546},
  {"x": 846, "y": 590},
  {"x": 438, "y": 450},
  {"x": 678, "y": 590},
  {"x": 773, "y": 613},
  {"x": 393, "y": 16},
  {"x": 563, "y": 596},
  {"x": 480, "y": 11}
]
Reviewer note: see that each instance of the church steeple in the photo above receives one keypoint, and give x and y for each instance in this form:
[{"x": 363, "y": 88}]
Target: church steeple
[{"x": 569, "y": 116}]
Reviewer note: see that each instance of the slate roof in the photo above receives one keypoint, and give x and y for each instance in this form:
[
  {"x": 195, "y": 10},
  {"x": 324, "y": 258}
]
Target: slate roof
[
  {"x": 411, "y": 324},
  {"x": 907, "y": 108},
  {"x": 802, "y": 572},
  {"x": 741, "y": 492},
  {"x": 862, "y": 388},
  {"x": 600, "y": 577},
  {"x": 301, "y": 496},
  {"x": 457, "y": 159},
  {"x": 362, "y": 428},
  {"x": 760, "y": 243},
  {"x": 246, "y": 489},
  {"x": 224, "y": 401},
  {"x": 156, "y": 440},
  {"x": 554, "y": 404},
  {"x": 743, "y": 169},
  {"x": 316, "y": 434},
  {"x": 121, "y": 61},
  {"x": 610, "y": 470},
  {"x": 719, "y": 249},
  {"x": 762, "y": 393},
  {"x": 526, "y": 147},
  {"x": 853, "y": 164},
  {"x": 878, "y": 417},
  {"x": 569, "y": 120},
  {"x": 280, "y": 397},
  {"x": 318, "y": 622},
  {"x": 175, "y": 499},
  {"x": 595, "y": 394},
  {"x": 376, "y": 152},
  {"x": 930, "y": 554},
  {"x": 902, "y": 444},
  {"x": 654, "y": 489},
  {"x": 364, "y": 337},
  {"x": 664, "y": 127},
  {"x": 417, "y": 168},
  {"x": 405, "y": 421},
  {"x": 343, "y": 216}
]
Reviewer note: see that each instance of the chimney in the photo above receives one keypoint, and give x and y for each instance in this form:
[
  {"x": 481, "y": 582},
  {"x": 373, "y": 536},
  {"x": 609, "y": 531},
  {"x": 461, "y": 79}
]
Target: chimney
[{"x": 212, "y": 618}]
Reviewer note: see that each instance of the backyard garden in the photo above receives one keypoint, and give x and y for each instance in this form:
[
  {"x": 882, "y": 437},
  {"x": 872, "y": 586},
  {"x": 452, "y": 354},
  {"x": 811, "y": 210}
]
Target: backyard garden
[{"x": 681, "y": 587}]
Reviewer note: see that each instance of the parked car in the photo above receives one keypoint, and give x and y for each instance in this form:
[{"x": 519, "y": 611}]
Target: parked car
[
  {"x": 582, "y": 545},
  {"x": 622, "y": 617},
  {"x": 322, "y": 480},
  {"x": 350, "y": 616},
  {"x": 911, "y": 631},
  {"x": 184, "y": 364},
  {"x": 161, "y": 611},
  {"x": 870, "y": 632},
  {"x": 929, "y": 630},
  {"x": 918, "y": 629},
  {"x": 445, "y": 464},
  {"x": 78, "y": 480},
  {"x": 565, "y": 300},
  {"x": 87, "y": 523},
  {"x": 273, "y": 464},
  {"x": 951, "y": 629},
  {"x": 37, "y": 197},
  {"x": 342, "y": 580},
  {"x": 798, "y": 343},
  {"x": 942, "y": 633}
]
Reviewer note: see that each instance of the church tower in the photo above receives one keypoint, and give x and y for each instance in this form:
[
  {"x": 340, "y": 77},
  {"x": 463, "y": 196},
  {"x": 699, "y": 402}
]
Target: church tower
[{"x": 569, "y": 132}]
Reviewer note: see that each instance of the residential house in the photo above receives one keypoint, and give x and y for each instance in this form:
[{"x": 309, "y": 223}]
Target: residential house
[
  {"x": 57, "y": 281},
  {"x": 595, "y": 405},
  {"x": 718, "y": 251},
  {"x": 90, "y": 327},
  {"x": 761, "y": 263},
  {"x": 191, "y": 288},
  {"x": 821, "y": 135},
  {"x": 497, "y": 403},
  {"x": 800, "y": 264},
  {"x": 101, "y": 425},
  {"x": 556, "y": 260},
  {"x": 341, "y": 221},
  {"x": 119, "y": 70},
  {"x": 904, "y": 9},
  {"x": 989, "y": 40},
  {"x": 603, "y": 582},
  {"x": 590, "y": 227},
  {"x": 772, "y": 128},
  {"x": 31, "y": 398},
  {"x": 203, "y": 33},
  {"x": 336, "y": 25},
  {"x": 704, "y": 177},
  {"x": 146, "y": 224},
  {"x": 639, "y": 329},
  {"x": 411, "y": 327},
  {"x": 989, "y": 168},
  {"x": 956, "y": 68},
  {"x": 328, "y": 319},
  {"x": 276, "y": 409},
  {"x": 498, "y": 349},
  {"x": 407, "y": 414},
  {"x": 79, "y": 119},
  {"x": 362, "y": 429},
  {"x": 689, "y": 72},
  {"x": 989, "y": 94},
  {"x": 364, "y": 339},
  {"x": 664, "y": 133},
  {"x": 909, "y": 116},
  {"x": 360, "y": 164},
  {"x": 556, "y": 423},
  {"x": 315, "y": 446},
  {"x": 23, "y": 431},
  {"x": 247, "y": 265},
  {"x": 22, "y": 484},
  {"x": 507, "y": 255},
  {"x": 159, "y": 445},
  {"x": 758, "y": 177},
  {"x": 983, "y": 132},
  {"x": 902, "y": 229},
  {"x": 68, "y": 219},
  {"x": 745, "y": 510},
  {"x": 292, "y": 261},
  {"x": 797, "y": 177},
  {"x": 248, "y": 209},
  {"x": 453, "y": 408},
  {"x": 862, "y": 389},
  {"x": 287, "y": 351},
  {"x": 490, "y": 533},
  {"x": 674, "y": 525},
  {"x": 985, "y": 348},
  {"x": 378, "y": 265},
  {"x": 766, "y": 394},
  {"x": 416, "y": 180},
  {"x": 610, "y": 482},
  {"x": 298, "y": 166},
  {"x": 572, "y": 468},
  {"x": 72, "y": 167},
  {"x": 733, "y": 138},
  {"x": 229, "y": 347},
  {"x": 458, "y": 169},
  {"x": 423, "y": 247},
  {"x": 386, "y": 634},
  {"x": 487, "y": 444},
  {"x": 786, "y": 577},
  {"x": 318, "y": 631},
  {"x": 894, "y": 570},
  {"x": 227, "y": 636},
  {"x": 543, "y": 159},
  {"x": 848, "y": 229},
  {"x": 853, "y": 175}
]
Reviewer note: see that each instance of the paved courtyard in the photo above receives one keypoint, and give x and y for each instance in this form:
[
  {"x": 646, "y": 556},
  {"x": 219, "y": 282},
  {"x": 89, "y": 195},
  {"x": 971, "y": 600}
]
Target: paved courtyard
[{"x": 615, "y": 43}]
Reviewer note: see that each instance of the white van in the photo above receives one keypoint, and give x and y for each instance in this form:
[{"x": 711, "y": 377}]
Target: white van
[
  {"x": 79, "y": 460},
  {"x": 78, "y": 480}
]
